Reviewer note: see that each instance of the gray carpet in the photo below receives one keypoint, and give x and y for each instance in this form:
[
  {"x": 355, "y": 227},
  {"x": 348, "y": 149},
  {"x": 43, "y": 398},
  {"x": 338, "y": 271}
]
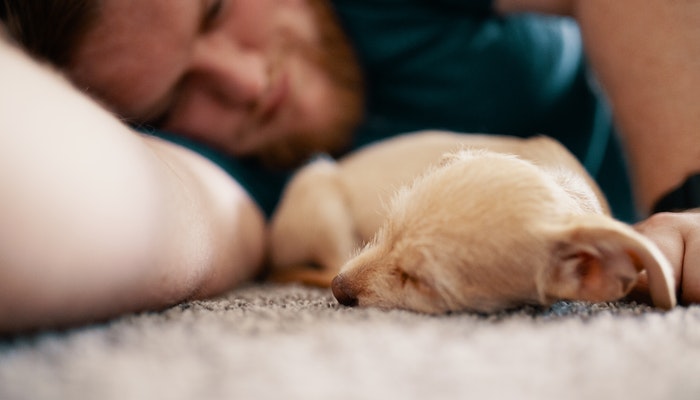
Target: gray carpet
[{"x": 276, "y": 342}]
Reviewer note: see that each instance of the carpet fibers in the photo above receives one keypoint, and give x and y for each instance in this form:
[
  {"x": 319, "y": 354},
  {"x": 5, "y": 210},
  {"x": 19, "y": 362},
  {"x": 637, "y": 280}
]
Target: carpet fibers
[{"x": 289, "y": 342}]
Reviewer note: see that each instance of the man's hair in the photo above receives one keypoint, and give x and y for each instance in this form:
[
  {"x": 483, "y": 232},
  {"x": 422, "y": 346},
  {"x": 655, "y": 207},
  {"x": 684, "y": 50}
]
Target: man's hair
[{"x": 49, "y": 29}]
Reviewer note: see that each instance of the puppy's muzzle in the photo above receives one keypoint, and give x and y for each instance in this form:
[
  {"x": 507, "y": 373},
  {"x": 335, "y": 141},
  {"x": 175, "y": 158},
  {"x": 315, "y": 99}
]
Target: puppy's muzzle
[{"x": 342, "y": 292}]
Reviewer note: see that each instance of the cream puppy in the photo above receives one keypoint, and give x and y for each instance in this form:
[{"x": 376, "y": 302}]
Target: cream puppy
[
  {"x": 481, "y": 230},
  {"x": 330, "y": 208}
]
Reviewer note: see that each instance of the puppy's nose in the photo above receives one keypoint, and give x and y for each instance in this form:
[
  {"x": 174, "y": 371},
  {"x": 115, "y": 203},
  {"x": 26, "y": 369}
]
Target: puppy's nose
[{"x": 342, "y": 293}]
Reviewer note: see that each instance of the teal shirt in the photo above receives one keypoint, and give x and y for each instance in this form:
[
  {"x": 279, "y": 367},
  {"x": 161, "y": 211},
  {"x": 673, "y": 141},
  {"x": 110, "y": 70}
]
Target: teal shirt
[{"x": 451, "y": 64}]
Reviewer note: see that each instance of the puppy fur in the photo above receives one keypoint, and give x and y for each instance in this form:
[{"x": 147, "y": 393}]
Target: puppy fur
[{"x": 496, "y": 223}]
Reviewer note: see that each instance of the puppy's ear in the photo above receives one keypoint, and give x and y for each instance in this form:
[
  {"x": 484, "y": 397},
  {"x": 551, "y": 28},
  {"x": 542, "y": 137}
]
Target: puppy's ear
[{"x": 595, "y": 258}]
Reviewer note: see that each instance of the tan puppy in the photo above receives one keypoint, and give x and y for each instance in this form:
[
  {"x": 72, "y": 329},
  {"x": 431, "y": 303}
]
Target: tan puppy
[
  {"x": 330, "y": 208},
  {"x": 484, "y": 231}
]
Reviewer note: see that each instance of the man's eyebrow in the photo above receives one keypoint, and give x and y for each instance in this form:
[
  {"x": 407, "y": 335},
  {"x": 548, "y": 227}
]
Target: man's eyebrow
[
  {"x": 158, "y": 112},
  {"x": 202, "y": 15}
]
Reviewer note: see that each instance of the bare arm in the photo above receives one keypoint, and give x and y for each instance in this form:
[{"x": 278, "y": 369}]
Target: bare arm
[
  {"x": 648, "y": 59},
  {"x": 96, "y": 220}
]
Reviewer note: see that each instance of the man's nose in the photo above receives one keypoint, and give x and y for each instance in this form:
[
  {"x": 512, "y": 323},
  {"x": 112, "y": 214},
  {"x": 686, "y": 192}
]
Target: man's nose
[{"x": 234, "y": 75}]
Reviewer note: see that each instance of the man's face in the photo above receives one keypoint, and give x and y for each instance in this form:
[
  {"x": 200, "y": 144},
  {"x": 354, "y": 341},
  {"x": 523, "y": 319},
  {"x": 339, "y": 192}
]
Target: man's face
[{"x": 267, "y": 78}]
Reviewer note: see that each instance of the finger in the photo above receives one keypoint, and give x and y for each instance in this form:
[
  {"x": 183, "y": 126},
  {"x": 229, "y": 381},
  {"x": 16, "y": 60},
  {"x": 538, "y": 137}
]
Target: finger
[
  {"x": 668, "y": 239},
  {"x": 690, "y": 280}
]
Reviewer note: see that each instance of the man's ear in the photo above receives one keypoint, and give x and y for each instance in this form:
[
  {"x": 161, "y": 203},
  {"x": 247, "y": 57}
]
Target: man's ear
[{"x": 595, "y": 258}]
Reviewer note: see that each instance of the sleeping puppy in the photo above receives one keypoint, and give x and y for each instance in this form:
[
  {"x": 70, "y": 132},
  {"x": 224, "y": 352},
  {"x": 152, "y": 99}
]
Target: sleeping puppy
[
  {"x": 329, "y": 208},
  {"x": 483, "y": 230}
]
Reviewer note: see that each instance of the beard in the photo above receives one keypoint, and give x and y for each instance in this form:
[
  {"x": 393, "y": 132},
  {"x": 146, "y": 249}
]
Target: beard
[{"x": 335, "y": 58}]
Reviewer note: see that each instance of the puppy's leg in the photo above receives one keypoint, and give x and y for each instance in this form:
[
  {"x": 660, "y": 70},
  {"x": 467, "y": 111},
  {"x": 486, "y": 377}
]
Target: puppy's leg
[{"x": 312, "y": 227}]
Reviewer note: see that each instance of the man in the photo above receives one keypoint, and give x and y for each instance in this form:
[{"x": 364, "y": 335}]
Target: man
[
  {"x": 285, "y": 87},
  {"x": 254, "y": 83}
]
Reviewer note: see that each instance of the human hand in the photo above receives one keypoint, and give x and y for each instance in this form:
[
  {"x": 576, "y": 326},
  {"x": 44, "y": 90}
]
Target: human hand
[{"x": 678, "y": 237}]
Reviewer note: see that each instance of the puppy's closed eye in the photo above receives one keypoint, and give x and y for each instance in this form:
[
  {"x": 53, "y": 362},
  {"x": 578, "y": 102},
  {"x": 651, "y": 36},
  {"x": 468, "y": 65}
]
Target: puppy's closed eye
[{"x": 406, "y": 278}]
